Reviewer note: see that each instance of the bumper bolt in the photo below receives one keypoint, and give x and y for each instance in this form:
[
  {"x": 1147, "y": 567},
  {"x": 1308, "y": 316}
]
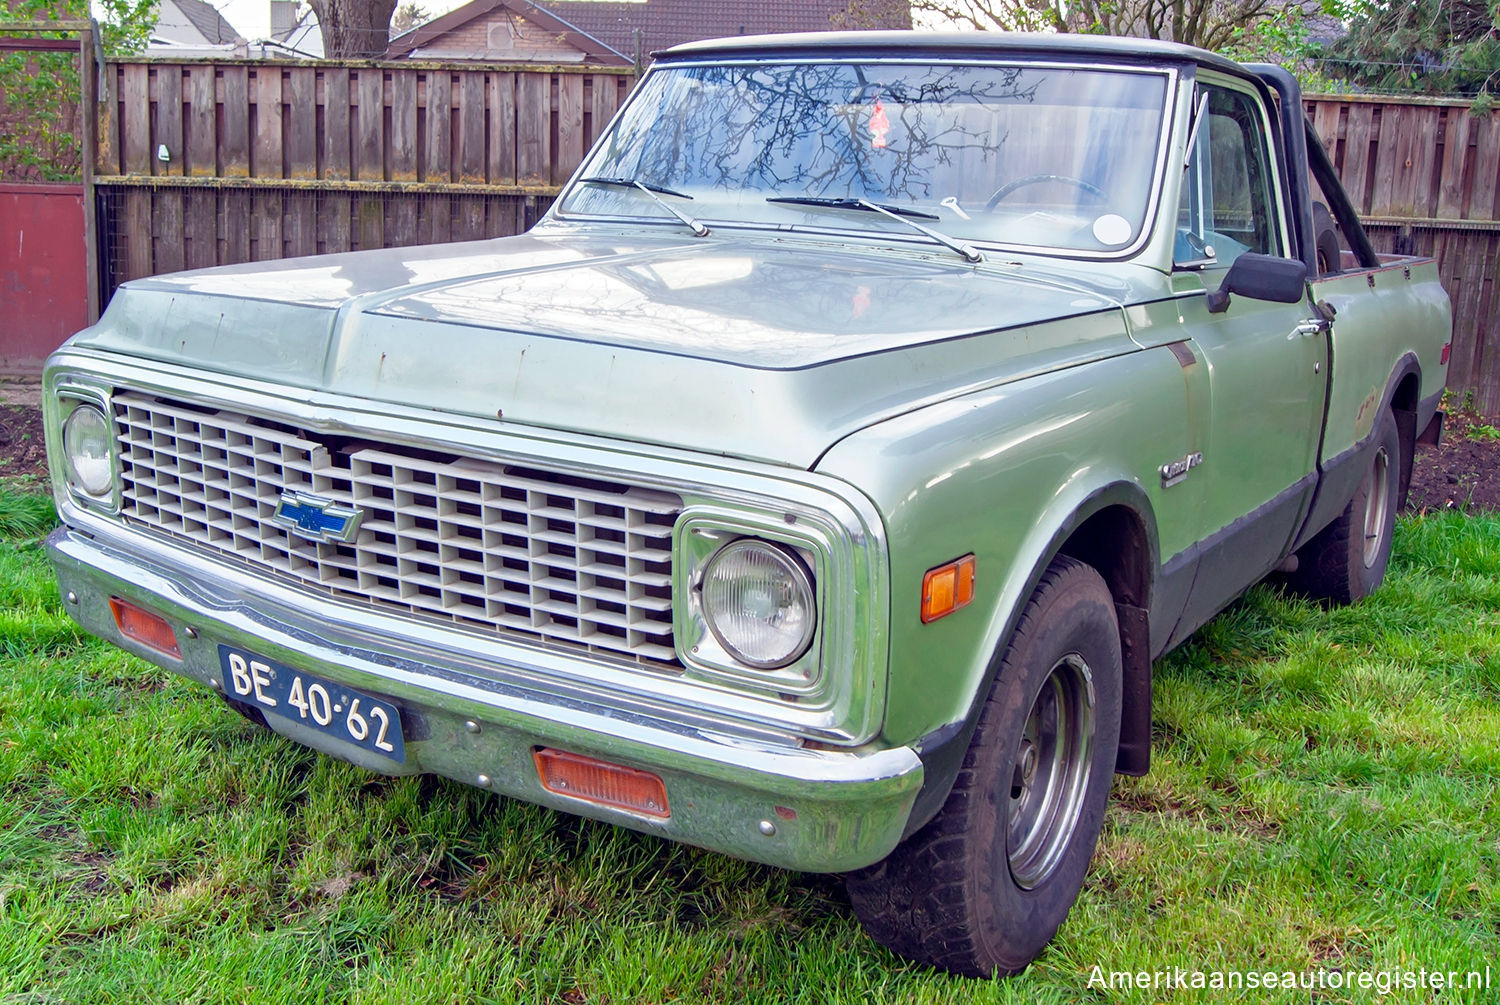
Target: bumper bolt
[
  {"x": 483, "y": 781},
  {"x": 767, "y": 828},
  {"x": 72, "y": 597},
  {"x": 190, "y": 632},
  {"x": 471, "y": 726},
  {"x": 216, "y": 685}
]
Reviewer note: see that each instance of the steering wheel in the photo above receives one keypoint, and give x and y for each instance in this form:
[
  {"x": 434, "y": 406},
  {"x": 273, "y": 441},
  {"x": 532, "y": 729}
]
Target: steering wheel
[{"x": 1037, "y": 179}]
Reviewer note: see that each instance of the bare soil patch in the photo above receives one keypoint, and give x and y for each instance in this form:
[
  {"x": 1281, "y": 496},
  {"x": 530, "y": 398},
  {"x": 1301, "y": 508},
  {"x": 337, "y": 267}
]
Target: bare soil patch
[
  {"x": 22, "y": 451},
  {"x": 1463, "y": 473}
]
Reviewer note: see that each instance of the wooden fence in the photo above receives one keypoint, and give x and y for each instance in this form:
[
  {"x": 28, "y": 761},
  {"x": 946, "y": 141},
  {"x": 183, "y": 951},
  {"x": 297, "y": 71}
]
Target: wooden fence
[
  {"x": 209, "y": 163},
  {"x": 1424, "y": 175},
  {"x": 213, "y": 162}
]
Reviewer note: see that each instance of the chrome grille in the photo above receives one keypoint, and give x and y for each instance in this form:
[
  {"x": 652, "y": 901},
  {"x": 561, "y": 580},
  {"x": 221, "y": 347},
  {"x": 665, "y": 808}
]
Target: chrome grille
[{"x": 502, "y": 547}]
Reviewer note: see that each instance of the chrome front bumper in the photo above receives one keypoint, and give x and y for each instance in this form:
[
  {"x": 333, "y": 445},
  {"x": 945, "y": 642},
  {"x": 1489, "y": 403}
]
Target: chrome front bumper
[{"x": 734, "y": 788}]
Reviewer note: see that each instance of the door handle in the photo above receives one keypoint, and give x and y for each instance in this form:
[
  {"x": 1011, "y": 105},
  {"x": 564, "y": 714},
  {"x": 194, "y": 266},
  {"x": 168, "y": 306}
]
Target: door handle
[{"x": 1312, "y": 326}]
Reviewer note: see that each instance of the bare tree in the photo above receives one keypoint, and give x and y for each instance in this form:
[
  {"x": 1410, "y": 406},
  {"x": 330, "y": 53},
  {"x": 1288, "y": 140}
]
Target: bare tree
[
  {"x": 354, "y": 29},
  {"x": 1210, "y": 24},
  {"x": 409, "y": 14}
]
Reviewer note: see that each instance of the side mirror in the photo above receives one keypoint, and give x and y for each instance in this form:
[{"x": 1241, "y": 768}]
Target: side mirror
[{"x": 1263, "y": 277}]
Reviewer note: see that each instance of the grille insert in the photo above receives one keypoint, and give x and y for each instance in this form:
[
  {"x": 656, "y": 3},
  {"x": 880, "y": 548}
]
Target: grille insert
[{"x": 522, "y": 551}]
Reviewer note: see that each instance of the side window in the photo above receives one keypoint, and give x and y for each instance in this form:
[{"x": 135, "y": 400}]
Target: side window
[{"x": 1228, "y": 206}]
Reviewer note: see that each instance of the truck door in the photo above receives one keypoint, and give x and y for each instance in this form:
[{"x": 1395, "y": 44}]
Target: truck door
[{"x": 1266, "y": 361}]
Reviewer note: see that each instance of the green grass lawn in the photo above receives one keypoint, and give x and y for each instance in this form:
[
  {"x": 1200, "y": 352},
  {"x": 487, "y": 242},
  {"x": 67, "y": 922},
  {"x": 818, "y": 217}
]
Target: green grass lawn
[{"x": 1323, "y": 797}]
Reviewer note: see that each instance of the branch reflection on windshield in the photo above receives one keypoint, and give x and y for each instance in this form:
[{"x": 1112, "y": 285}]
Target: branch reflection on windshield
[{"x": 1019, "y": 154}]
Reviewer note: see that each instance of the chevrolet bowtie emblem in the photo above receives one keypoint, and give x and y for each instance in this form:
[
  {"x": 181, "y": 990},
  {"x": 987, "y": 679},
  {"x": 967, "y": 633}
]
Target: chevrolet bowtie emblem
[{"x": 316, "y": 518}]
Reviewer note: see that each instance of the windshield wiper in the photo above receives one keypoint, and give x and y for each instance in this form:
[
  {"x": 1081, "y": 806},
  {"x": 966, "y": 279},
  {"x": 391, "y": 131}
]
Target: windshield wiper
[
  {"x": 897, "y": 213},
  {"x": 850, "y": 203},
  {"x": 651, "y": 190}
]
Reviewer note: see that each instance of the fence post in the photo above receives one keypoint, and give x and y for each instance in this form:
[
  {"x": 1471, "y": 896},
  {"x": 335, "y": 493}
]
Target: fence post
[{"x": 89, "y": 69}]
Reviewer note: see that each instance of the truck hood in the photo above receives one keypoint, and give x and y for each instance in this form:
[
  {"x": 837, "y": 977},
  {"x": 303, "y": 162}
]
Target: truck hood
[{"x": 767, "y": 349}]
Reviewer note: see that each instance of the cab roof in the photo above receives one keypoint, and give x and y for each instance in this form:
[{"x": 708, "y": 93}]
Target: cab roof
[{"x": 963, "y": 44}]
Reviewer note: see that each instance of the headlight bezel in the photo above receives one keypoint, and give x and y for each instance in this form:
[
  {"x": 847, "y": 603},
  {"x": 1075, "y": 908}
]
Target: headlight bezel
[
  {"x": 701, "y": 534},
  {"x": 70, "y": 398}
]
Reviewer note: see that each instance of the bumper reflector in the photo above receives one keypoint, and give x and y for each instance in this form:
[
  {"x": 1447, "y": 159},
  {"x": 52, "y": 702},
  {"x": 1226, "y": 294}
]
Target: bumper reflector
[
  {"x": 601, "y": 782},
  {"x": 947, "y": 588},
  {"x": 146, "y": 628}
]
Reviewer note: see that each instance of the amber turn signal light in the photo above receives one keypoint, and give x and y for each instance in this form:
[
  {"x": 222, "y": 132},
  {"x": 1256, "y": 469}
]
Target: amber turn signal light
[
  {"x": 146, "y": 628},
  {"x": 601, "y": 782},
  {"x": 947, "y": 588}
]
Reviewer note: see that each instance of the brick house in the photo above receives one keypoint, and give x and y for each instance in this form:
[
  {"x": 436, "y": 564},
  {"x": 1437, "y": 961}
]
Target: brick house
[{"x": 607, "y": 32}]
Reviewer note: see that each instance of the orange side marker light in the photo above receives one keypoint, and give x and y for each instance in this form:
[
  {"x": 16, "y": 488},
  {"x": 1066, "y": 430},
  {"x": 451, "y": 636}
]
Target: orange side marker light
[{"x": 947, "y": 588}]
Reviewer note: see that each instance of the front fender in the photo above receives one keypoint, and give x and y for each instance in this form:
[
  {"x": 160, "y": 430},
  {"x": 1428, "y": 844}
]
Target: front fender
[{"x": 1007, "y": 473}]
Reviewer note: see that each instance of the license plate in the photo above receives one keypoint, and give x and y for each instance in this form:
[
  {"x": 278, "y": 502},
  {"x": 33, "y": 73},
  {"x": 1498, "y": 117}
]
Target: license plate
[{"x": 312, "y": 701}]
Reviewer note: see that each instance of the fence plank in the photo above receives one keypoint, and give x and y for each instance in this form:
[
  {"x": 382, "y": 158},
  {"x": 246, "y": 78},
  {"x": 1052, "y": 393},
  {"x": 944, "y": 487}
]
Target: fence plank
[
  {"x": 403, "y": 165},
  {"x": 169, "y": 121},
  {"x": 1385, "y": 168},
  {"x": 1356, "y": 156},
  {"x": 234, "y": 131},
  {"x": 1455, "y": 145},
  {"x": 335, "y": 222},
  {"x": 533, "y": 128},
  {"x": 265, "y": 156},
  {"x": 200, "y": 242},
  {"x": 1325, "y": 116},
  {"x": 137, "y": 235},
  {"x": 439, "y": 156},
  {"x": 107, "y": 123},
  {"x": 1425, "y": 160},
  {"x": 1486, "y": 165},
  {"x": 336, "y": 102},
  {"x": 167, "y": 250},
  {"x": 502, "y": 145},
  {"x": 300, "y": 93},
  {"x": 470, "y": 138},
  {"x": 569, "y": 127},
  {"x": 300, "y": 226},
  {"x": 604, "y": 100},
  {"x": 135, "y": 135},
  {"x": 201, "y": 124},
  {"x": 370, "y": 93}
]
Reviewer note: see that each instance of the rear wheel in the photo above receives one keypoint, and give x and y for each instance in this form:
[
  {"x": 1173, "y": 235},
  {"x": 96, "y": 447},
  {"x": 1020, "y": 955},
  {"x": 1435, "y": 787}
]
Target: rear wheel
[
  {"x": 1347, "y": 560},
  {"x": 983, "y": 887}
]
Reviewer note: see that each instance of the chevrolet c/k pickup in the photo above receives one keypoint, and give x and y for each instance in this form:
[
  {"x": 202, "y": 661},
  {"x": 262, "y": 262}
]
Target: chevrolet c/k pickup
[{"x": 815, "y": 483}]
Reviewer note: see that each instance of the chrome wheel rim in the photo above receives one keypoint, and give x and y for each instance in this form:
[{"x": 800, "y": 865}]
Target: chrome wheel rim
[
  {"x": 1376, "y": 503},
  {"x": 1050, "y": 772}
]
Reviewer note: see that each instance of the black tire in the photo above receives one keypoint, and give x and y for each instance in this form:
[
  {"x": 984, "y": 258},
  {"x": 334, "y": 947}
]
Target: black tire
[
  {"x": 1326, "y": 240},
  {"x": 983, "y": 887},
  {"x": 1346, "y": 561}
]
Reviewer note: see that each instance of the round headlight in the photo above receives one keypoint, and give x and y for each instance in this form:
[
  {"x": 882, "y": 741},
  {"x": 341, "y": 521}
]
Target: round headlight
[
  {"x": 758, "y": 601},
  {"x": 89, "y": 450}
]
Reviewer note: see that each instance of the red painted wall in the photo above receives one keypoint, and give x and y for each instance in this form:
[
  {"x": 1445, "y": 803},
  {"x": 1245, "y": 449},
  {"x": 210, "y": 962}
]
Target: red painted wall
[{"x": 43, "y": 286}]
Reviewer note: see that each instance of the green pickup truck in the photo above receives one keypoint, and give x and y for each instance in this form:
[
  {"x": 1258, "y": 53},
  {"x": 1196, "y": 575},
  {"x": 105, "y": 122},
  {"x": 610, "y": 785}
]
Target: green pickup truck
[{"x": 816, "y": 483}]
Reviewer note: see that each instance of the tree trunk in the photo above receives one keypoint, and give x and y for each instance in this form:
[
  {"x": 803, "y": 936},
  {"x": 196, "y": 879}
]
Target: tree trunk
[{"x": 354, "y": 29}]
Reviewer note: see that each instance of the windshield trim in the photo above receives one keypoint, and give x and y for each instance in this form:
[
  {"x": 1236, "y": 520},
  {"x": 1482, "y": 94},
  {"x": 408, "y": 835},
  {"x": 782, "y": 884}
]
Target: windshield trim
[{"x": 1171, "y": 73}]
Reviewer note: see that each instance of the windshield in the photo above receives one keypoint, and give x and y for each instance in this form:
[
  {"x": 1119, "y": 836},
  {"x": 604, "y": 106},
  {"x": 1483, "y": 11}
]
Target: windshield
[{"x": 1022, "y": 154}]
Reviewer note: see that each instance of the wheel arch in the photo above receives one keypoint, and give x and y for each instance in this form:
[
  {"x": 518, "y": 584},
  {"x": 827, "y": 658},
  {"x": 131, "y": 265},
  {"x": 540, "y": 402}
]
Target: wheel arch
[
  {"x": 1112, "y": 528},
  {"x": 1404, "y": 397}
]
